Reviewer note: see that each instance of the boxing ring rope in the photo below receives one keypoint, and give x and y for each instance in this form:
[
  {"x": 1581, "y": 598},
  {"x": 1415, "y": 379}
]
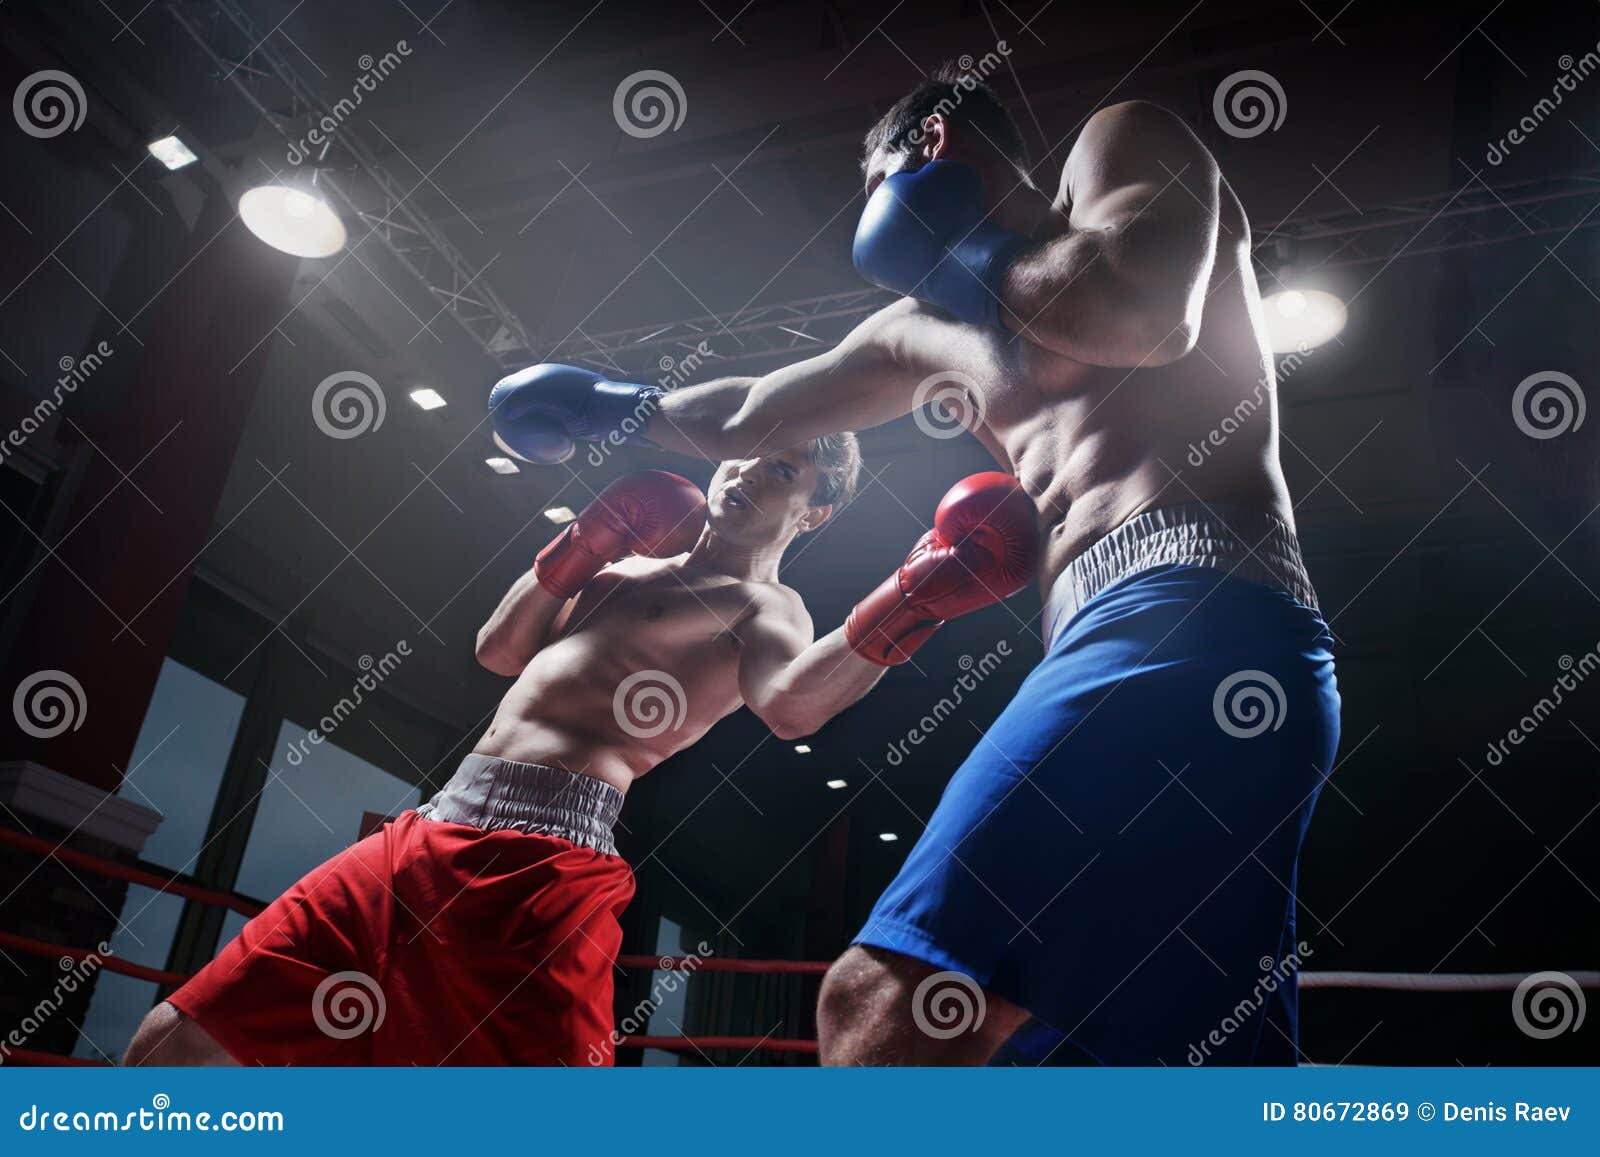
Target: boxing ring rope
[{"x": 149, "y": 876}]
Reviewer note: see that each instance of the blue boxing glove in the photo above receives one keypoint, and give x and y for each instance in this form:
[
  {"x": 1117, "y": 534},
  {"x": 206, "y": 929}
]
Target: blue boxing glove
[
  {"x": 539, "y": 412},
  {"x": 924, "y": 234}
]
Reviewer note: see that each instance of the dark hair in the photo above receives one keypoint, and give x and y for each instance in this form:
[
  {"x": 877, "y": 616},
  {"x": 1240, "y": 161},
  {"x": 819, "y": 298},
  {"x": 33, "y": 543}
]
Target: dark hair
[
  {"x": 960, "y": 96},
  {"x": 838, "y": 461}
]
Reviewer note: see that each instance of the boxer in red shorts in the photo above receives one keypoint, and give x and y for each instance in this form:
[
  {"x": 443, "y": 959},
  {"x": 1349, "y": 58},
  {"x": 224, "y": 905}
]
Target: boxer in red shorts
[{"x": 482, "y": 927}]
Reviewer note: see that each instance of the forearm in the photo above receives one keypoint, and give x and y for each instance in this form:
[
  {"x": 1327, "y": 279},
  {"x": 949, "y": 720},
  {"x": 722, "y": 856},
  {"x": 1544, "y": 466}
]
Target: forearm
[
  {"x": 701, "y": 421},
  {"x": 816, "y": 685},
  {"x": 519, "y": 626}
]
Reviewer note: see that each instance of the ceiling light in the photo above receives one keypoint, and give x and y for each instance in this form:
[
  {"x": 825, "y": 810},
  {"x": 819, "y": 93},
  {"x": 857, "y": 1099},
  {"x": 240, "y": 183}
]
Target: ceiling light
[
  {"x": 560, "y": 515},
  {"x": 802, "y": 749},
  {"x": 836, "y": 784},
  {"x": 171, "y": 152},
  {"x": 1302, "y": 319},
  {"x": 888, "y": 837},
  {"x": 427, "y": 399},
  {"x": 293, "y": 220},
  {"x": 502, "y": 465}
]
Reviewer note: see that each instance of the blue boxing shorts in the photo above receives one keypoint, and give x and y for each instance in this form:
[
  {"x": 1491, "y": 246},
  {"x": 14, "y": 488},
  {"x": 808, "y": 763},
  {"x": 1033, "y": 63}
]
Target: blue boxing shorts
[{"x": 1117, "y": 855}]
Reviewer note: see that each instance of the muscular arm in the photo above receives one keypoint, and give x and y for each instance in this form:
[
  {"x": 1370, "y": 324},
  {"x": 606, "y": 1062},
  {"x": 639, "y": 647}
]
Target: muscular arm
[
  {"x": 866, "y": 380},
  {"x": 793, "y": 684},
  {"x": 519, "y": 626},
  {"x": 1126, "y": 285}
]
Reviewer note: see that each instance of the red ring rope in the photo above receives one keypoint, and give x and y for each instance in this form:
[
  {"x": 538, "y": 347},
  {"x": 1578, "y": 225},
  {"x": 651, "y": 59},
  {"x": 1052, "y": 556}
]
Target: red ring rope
[{"x": 726, "y": 964}]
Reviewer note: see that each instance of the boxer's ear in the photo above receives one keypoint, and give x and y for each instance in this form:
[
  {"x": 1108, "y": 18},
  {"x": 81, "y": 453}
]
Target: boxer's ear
[{"x": 814, "y": 517}]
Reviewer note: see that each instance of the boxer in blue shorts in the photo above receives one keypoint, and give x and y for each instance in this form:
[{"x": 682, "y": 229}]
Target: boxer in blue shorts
[{"x": 1116, "y": 858}]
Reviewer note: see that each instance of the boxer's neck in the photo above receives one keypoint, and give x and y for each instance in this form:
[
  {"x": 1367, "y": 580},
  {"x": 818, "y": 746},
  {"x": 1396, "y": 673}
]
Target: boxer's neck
[{"x": 758, "y": 563}]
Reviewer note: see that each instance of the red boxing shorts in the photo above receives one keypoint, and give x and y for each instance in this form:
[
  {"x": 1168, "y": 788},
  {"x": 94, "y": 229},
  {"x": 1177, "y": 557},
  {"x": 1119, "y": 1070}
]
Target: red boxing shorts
[{"x": 434, "y": 942}]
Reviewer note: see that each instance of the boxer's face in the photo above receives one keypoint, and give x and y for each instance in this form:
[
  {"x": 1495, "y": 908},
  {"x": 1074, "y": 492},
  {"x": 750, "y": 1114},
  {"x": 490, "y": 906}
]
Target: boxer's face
[{"x": 754, "y": 501}]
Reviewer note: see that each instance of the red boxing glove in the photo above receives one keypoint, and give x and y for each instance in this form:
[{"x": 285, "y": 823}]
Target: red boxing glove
[
  {"x": 651, "y": 512},
  {"x": 982, "y": 548}
]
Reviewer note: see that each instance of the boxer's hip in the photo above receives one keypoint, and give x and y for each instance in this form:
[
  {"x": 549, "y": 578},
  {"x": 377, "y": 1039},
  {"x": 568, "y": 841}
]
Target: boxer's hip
[
  {"x": 1249, "y": 545},
  {"x": 494, "y": 794}
]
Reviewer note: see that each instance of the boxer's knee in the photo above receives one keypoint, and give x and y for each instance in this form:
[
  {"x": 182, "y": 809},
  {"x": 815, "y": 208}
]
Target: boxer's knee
[{"x": 167, "y": 1037}]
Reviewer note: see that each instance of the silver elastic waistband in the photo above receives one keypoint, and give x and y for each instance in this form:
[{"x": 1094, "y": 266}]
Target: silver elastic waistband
[
  {"x": 491, "y": 793},
  {"x": 1250, "y": 545}
]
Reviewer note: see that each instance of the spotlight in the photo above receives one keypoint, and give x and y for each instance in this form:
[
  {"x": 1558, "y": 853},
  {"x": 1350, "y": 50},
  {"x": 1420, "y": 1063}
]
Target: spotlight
[
  {"x": 836, "y": 784},
  {"x": 888, "y": 837},
  {"x": 171, "y": 152},
  {"x": 802, "y": 749},
  {"x": 293, "y": 220},
  {"x": 427, "y": 399},
  {"x": 560, "y": 515},
  {"x": 1302, "y": 319},
  {"x": 501, "y": 465}
]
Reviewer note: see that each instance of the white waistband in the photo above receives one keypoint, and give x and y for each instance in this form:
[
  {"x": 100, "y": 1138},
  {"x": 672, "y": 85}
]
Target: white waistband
[
  {"x": 492, "y": 793},
  {"x": 1251, "y": 545}
]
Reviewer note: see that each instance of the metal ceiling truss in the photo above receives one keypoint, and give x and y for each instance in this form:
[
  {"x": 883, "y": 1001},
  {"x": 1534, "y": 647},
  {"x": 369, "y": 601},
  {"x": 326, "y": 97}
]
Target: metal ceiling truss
[{"x": 270, "y": 81}]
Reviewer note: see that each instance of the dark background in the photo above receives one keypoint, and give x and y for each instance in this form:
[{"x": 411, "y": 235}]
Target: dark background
[{"x": 1457, "y": 558}]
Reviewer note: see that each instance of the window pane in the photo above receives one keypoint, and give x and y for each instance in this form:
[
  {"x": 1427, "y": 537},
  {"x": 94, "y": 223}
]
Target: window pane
[{"x": 149, "y": 919}]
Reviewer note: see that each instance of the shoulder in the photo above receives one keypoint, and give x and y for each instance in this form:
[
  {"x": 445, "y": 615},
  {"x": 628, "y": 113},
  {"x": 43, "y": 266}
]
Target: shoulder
[
  {"x": 1133, "y": 127},
  {"x": 777, "y": 605}
]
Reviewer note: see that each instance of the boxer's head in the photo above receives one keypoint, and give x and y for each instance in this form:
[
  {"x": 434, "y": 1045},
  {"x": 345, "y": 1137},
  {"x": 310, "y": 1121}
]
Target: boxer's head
[
  {"x": 773, "y": 498},
  {"x": 952, "y": 116}
]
